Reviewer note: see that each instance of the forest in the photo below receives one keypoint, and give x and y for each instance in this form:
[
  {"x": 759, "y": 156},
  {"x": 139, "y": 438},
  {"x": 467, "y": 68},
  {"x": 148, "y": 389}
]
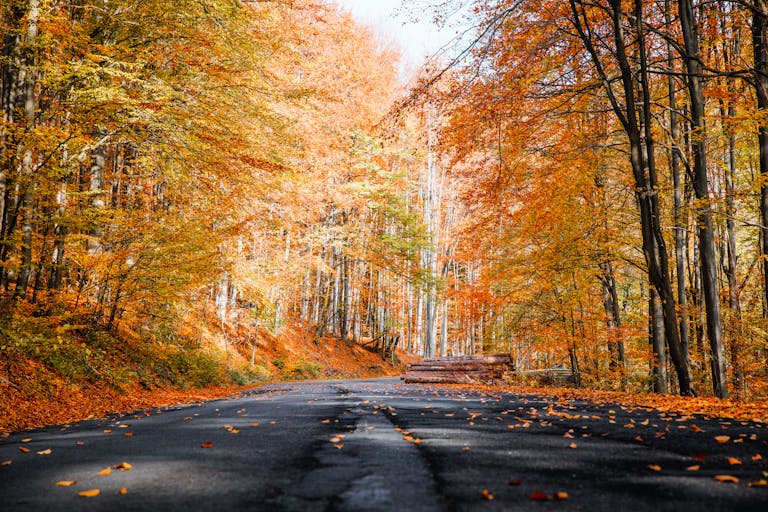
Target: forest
[{"x": 583, "y": 185}]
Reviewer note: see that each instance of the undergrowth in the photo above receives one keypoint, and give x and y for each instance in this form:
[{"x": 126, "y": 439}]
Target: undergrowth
[{"x": 81, "y": 354}]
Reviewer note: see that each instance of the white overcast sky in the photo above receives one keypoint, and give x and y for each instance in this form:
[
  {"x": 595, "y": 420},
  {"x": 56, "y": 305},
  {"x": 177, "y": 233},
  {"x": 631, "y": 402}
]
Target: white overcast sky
[{"x": 416, "y": 40}]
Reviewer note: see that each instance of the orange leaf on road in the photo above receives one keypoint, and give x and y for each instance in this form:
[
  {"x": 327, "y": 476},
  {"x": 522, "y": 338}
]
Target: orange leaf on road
[
  {"x": 105, "y": 472},
  {"x": 124, "y": 466},
  {"x": 123, "y": 490},
  {"x": 561, "y": 496},
  {"x": 91, "y": 493},
  {"x": 722, "y": 439},
  {"x": 540, "y": 496},
  {"x": 486, "y": 494},
  {"x": 206, "y": 444},
  {"x": 654, "y": 467},
  {"x": 66, "y": 483},
  {"x": 23, "y": 449},
  {"x": 733, "y": 461},
  {"x": 693, "y": 468},
  {"x": 730, "y": 479}
]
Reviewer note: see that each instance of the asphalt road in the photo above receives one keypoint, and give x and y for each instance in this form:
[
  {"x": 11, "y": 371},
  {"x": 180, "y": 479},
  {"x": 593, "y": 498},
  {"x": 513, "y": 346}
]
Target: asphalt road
[{"x": 380, "y": 445}]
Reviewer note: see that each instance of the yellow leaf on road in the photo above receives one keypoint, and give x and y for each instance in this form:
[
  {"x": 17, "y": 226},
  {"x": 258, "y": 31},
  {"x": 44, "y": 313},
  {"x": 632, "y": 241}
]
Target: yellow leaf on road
[
  {"x": 66, "y": 483},
  {"x": 105, "y": 472},
  {"x": 90, "y": 493},
  {"x": 44, "y": 452}
]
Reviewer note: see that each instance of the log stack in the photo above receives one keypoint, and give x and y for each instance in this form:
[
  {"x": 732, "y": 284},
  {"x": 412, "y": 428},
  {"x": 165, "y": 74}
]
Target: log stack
[{"x": 476, "y": 369}]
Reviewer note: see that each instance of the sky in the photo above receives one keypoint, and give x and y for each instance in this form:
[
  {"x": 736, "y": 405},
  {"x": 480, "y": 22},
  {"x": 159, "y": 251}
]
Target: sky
[{"x": 416, "y": 40}]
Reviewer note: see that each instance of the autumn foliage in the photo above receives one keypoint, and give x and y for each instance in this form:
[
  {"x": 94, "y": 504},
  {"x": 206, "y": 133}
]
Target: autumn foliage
[{"x": 186, "y": 182}]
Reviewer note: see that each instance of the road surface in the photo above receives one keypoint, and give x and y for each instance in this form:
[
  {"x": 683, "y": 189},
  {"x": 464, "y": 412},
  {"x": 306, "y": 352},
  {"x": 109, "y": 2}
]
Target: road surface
[{"x": 380, "y": 445}]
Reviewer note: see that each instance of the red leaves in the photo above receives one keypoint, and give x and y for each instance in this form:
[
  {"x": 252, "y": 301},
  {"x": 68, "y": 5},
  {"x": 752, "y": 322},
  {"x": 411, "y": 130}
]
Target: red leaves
[
  {"x": 540, "y": 496},
  {"x": 206, "y": 444}
]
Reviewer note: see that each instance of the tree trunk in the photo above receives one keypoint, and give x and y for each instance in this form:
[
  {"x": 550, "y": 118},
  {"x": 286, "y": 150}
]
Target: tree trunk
[
  {"x": 657, "y": 336},
  {"x": 710, "y": 285}
]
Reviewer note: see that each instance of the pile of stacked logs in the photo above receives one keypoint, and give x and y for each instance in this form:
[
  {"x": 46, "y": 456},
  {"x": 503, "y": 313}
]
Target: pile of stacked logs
[{"x": 476, "y": 369}]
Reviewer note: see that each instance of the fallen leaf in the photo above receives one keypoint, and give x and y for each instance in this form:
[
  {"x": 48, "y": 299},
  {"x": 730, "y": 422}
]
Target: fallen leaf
[
  {"x": 26, "y": 440},
  {"x": 23, "y": 449},
  {"x": 486, "y": 494},
  {"x": 66, "y": 483},
  {"x": 573, "y": 445},
  {"x": 124, "y": 466},
  {"x": 695, "y": 428},
  {"x": 255, "y": 424},
  {"x": 726, "y": 479},
  {"x": 722, "y": 439},
  {"x": 206, "y": 444},
  {"x": 638, "y": 439},
  {"x": 128, "y": 434},
  {"x": 693, "y": 468},
  {"x": 44, "y": 452},
  {"x": 758, "y": 483},
  {"x": 122, "y": 490},
  {"x": 335, "y": 439},
  {"x": 515, "y": 482},
  {"x": 561, "y": 496},
  {"x": 91, "y": 493},
  {"x": 654, "y": 467},
  {"x": 540, "y": 496},
  {"x": 339, "y": 446},
  {"x": 107, "y": 431},
  {"x": 408, "y": 438},
  {"x": 6, "y": 463},
  {"x": 733, "y": 461},
  {"x": 325, "y": 421},
  {"x": 757, "y": 457},
  {"x": 105, "y": 472}
]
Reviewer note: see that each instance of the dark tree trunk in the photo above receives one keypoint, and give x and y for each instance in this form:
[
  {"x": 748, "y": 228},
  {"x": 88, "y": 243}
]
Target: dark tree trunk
[{"x": 709, "y": 283}]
